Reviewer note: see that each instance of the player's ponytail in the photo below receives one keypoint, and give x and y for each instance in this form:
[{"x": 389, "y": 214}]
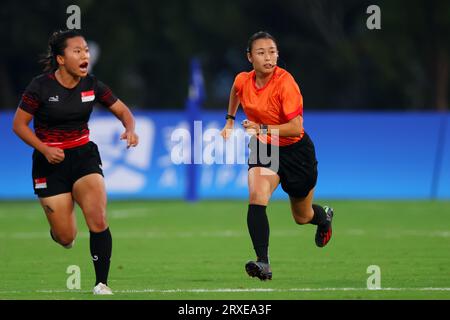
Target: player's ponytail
[{"x": 56, "y": 45}]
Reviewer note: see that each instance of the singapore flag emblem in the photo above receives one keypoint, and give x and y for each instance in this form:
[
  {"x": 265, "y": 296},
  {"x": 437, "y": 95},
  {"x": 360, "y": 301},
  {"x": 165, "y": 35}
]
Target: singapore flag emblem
[
  {"x": 40, "y": 183},
  {"x": 87, "y": 96}
]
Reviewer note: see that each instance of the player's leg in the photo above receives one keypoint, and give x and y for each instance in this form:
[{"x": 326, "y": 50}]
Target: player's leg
[
  {"x": 59, "y": 210},
  {"x": 262, "y": 182},
  {"x": 304, "y": 212},
  {"x": 52, "y": 186},
  {"x": 89, "y": 192}
]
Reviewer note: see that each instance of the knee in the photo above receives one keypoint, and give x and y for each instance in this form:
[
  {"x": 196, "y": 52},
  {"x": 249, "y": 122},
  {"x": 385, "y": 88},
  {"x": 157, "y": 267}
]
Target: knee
[
  {"x": 65, "y": 239},
  {"x": 98, "y": 223},
  {"x": 259, "y": 198},
  {"x": 96, "y": 218}
]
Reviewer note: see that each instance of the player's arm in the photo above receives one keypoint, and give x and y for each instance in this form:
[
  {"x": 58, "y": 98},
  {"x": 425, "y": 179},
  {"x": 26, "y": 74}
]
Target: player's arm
[
  {"x": 23, "y": 131},
  {"x": 233, "y": 105},
  {"x": 123, "y": 113},
  {"x": 293, "y": 128}
]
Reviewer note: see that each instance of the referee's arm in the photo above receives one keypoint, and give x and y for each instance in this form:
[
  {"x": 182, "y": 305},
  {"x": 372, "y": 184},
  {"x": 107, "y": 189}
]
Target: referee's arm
[
  {"x": 233, "y": 105},
  {"x": 293, "y": 128}
]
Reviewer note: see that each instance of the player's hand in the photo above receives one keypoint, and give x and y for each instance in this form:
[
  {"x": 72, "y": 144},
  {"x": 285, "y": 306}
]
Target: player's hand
[
  {"x": 131, "y": 137},
  {"x": 228, "y": 129},
  {"x": 250, "y": 127},
  {"x": 54, "y": 155}
]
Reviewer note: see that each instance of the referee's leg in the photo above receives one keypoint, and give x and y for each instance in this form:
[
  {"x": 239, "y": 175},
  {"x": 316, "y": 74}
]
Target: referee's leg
[
  {"x": 262, "y": 182},
  {"x": 302, "y": 208},
  {"x": 304, "y": 212}
]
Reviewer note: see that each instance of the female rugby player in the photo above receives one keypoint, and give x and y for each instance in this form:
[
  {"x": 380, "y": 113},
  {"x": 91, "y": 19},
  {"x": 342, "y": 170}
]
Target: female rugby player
[{"x": 66, "y": 164}]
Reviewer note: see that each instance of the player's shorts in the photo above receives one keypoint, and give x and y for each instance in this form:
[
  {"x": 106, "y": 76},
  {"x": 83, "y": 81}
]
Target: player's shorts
[
  {"x": 52, "y": 179},
  {"x": 296, "y": 165}
]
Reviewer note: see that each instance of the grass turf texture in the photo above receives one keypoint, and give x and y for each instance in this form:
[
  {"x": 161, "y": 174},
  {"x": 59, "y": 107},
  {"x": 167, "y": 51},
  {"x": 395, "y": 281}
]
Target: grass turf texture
[{"x": 176, "y": 250}]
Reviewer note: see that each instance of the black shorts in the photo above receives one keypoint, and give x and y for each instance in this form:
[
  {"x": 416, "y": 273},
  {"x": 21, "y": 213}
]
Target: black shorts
[
  {"x": 52, "y": 179},
  {"x": 296, "y": 164}
]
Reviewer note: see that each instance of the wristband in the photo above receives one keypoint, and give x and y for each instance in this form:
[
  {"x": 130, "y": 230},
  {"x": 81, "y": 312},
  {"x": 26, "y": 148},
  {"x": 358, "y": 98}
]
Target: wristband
[{"x": 229, "y": 116}]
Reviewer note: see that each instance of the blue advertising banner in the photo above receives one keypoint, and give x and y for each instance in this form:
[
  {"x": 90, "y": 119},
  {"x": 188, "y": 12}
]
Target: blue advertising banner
[
  {"x": 442, "y": 170},
  {"x": 15, "y": 163},
  {"x": 361, "y": 155},
  {"x": 375, "y": 155}
]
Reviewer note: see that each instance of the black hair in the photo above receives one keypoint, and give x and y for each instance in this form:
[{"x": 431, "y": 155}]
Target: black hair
[
  {"x": 56, "y": 45},
  {"x": 259, "y": 35}
]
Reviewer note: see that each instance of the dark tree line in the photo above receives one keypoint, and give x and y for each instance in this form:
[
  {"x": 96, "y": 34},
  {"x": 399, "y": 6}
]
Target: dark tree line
[{"x": 146, "y": 47}]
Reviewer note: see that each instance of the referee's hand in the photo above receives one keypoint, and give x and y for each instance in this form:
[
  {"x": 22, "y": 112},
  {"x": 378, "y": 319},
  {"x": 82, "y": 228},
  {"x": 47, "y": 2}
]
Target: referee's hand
[
  {"x": 228, "y": 129},
  {"x": 252, "y": 128},
  {"x": 54, "y": 155}
]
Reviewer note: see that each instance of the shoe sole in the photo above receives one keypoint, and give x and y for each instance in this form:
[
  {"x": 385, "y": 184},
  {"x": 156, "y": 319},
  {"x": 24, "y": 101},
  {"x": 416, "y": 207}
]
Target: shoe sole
[{"x": 253, "y": 270}]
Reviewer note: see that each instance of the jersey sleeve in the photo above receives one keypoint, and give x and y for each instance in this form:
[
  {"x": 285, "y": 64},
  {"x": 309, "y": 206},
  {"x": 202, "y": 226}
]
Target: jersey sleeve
[
  {"x": 239, "y": 82},
  {"x": 291, "y": 99},
  {"x": 31, "y": 99},
  {"x": 105, "y": 95}
]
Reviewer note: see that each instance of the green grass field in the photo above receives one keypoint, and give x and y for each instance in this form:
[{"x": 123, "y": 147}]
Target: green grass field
[{"x": 176, "y": 250}]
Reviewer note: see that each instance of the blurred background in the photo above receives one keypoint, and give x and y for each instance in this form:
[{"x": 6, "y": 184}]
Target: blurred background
[
  {"x": 376, "y": 101},
  {"x": 145, "y": 49}
]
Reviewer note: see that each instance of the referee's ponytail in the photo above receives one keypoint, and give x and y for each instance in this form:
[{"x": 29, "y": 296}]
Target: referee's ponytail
[{"x": 56, "y": 45}]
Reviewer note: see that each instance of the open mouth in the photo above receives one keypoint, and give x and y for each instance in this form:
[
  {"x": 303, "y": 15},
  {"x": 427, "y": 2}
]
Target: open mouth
[
  {"x": 268, "y": 66},
  {"x": 84, "y": 67}
]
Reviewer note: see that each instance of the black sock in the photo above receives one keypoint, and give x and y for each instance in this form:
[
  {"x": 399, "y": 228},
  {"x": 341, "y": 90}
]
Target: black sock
[
  {"x": 320, "y": 217},
  {"x": 258, "y": 227},
  {"x": 101, "y": 247}
]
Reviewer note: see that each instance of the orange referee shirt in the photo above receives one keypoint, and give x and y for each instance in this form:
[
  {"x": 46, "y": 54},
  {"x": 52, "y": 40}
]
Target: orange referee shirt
[{"x": 278, "y": 102}]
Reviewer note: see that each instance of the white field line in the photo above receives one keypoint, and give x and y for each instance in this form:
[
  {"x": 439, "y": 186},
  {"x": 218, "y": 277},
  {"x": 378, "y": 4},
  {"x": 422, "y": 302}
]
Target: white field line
[{"x": 231, "y": 290}]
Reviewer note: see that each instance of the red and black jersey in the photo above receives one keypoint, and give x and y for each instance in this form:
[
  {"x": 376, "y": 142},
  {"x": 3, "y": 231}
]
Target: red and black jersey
[{"x": 61, "y": 115}]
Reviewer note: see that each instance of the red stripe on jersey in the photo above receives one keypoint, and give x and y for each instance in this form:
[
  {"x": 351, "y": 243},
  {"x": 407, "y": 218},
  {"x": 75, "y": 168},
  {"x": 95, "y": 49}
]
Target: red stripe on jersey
[
  {"x": 63, "y": 138},
  {"x": 106, "y": 93},
  {"x": 32, "y": 102},
  {"x": 292, "y": 115},
  {"x": 107, "y": 98},
  {"x": 70, "y": 144},
  {"x": 29, "y": 103}
]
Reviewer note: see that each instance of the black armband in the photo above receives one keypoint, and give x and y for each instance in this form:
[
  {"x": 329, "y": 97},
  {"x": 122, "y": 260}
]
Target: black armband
[{"x": 229, "y": 116}]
